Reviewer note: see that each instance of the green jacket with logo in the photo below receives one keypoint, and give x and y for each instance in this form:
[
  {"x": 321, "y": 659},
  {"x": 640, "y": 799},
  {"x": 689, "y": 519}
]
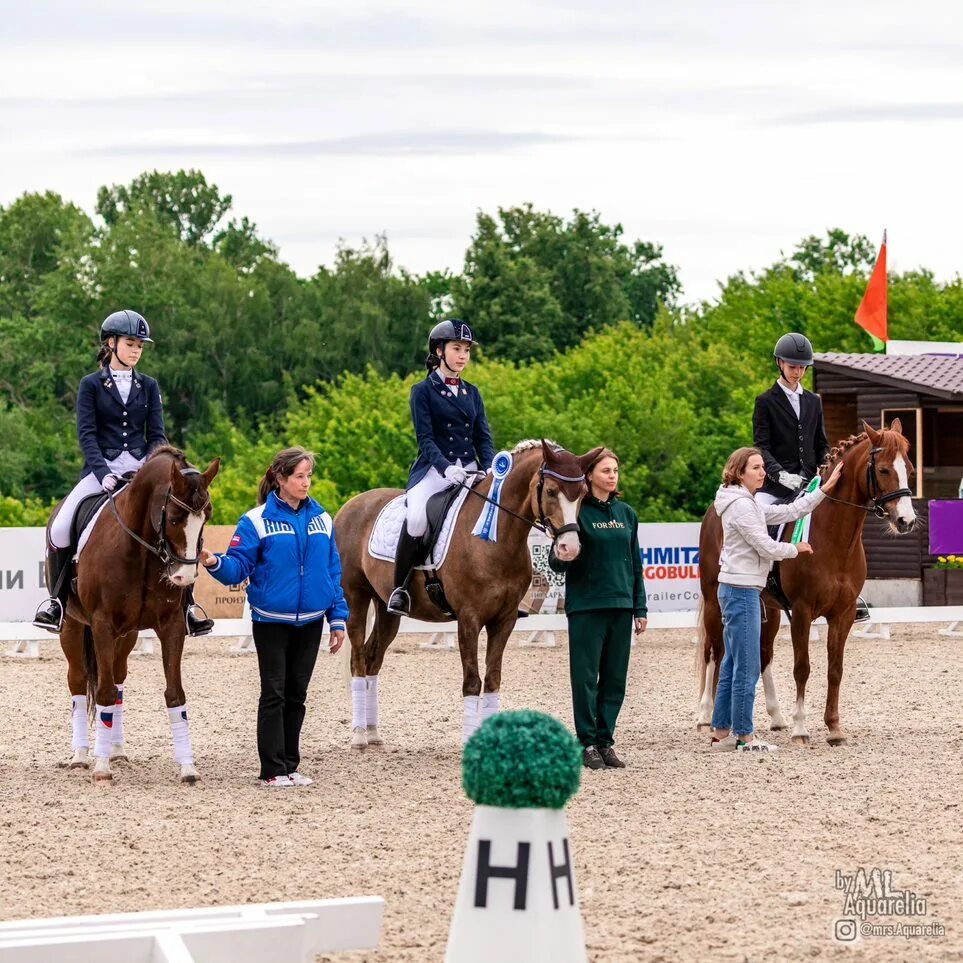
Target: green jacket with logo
[{"x": 608, "y": 571}]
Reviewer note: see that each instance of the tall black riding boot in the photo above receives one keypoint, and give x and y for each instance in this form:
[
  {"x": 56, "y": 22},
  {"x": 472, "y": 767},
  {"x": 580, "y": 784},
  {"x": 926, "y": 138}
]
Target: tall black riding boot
[
  {"x": 407, "y": 557},
  {"x": 50, "y": 615},
  {"x": 195, "y": 624}
]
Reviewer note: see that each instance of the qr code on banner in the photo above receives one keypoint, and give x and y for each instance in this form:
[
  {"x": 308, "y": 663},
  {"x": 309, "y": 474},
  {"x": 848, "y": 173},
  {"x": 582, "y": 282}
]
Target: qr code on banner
[{"x": 540, "y": 565}]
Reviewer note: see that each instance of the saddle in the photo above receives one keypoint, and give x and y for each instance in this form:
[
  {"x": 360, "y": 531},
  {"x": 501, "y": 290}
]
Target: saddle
[{"x": 437, "y": 510}]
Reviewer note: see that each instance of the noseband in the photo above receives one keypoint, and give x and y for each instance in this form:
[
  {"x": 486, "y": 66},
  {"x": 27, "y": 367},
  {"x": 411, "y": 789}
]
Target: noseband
[
  {"x": 542, "y": 518},
  {"x": 163, "y": 550}
]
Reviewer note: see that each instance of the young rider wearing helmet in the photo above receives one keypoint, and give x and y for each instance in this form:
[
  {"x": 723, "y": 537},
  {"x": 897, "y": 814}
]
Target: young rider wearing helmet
[
  {"x": 788, "y": 428},
  {"x": 454, "y": 441},
  {"x": 120, "y": 419}
]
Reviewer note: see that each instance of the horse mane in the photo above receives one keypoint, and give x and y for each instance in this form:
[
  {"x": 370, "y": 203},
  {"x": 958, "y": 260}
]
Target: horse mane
[
  {"x": 175, "y": 453},
  {"x": 527, "y": 444},
  {"x": 840, "y": 450}
]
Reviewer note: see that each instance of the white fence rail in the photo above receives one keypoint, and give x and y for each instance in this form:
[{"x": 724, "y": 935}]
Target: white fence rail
[{"x": 293, "y": 932}]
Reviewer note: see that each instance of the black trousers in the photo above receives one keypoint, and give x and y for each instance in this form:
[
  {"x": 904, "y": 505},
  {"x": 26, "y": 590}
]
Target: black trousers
[{"x": 286, "y": 656}]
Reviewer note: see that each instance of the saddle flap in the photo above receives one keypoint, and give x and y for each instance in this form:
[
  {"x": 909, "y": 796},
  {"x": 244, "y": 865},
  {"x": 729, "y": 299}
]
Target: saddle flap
[
  {"x": 437, "y": 510},
  {"x": 86, "y": 512}
]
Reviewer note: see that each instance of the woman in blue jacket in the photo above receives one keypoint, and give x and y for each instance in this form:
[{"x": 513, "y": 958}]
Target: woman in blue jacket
[
  {"x": 286, "y": 548},
  {"x": 120, "y": 420},
  {"x": 454, "y": 441}
]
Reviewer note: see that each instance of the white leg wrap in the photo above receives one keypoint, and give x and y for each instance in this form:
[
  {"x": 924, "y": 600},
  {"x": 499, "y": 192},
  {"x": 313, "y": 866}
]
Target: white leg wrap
[
  {"x": 117, "y": 732},
  {"x": 490, "y": 704},
  {"x": 371, "y": 700},
  {"x": 102, "y": 731},
  {"x": 81, "y": 736},
  {"x": 359, "y": 714},
  {"x": 472, "y": 721},
  {"x": 183, "y": 753}
]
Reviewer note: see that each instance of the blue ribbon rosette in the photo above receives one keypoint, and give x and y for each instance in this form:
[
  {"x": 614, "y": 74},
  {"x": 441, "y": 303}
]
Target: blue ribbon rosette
[{"x": 486, "y": 528}]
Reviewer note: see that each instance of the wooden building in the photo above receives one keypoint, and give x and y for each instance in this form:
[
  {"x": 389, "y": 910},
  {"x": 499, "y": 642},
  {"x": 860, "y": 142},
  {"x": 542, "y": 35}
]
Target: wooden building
[{"x": 926, "y": 393}]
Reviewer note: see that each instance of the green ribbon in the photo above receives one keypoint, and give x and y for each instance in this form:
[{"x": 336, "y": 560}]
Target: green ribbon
[{"x": 797, "y": 531}]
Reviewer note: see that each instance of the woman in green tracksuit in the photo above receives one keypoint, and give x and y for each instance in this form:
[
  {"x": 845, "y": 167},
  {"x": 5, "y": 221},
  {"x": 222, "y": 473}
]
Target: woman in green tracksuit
[{"x": 604, "y": 597}]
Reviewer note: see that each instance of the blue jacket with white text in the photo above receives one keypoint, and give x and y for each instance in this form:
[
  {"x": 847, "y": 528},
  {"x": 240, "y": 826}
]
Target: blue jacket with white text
[{"x": 291, "y": 560}]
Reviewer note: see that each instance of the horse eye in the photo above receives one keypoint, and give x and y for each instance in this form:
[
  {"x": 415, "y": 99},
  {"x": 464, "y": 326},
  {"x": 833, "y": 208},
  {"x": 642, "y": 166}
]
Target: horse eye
[{"x": 884, "y": 471}]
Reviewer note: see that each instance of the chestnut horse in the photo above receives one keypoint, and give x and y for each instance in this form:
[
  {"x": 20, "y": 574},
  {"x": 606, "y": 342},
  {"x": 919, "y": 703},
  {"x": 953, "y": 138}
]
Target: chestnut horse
[
  {"x": 875, "y": 478},
  {"x": 484, "y": 581},
  {"x": 141, "y": 555}
]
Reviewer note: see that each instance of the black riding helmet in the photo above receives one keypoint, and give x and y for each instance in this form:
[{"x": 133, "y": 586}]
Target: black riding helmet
[
  {"x": 445, "y": 331},
  {"x": 794, "y": 348},
  {"x": 125, "y": 324}
]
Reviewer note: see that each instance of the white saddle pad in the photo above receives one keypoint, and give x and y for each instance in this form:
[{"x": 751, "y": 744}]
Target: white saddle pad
[
  {"x": 383, "y": 542},
  {"x": 85, "y": 534}
]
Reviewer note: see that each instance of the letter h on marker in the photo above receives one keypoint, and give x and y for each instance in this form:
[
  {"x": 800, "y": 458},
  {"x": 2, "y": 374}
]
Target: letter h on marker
[{"x": 486, "y": 871}]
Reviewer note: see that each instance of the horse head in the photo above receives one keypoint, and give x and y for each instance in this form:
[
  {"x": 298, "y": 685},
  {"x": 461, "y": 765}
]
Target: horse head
[
  {"x": 556, "y": 492},
  {"x": 887, "y": 475},
  {"x": 179, "y": 514}
]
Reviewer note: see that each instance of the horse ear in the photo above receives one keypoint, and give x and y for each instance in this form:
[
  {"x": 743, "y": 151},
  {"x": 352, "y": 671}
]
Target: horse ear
[
  {"x": 211, "y": 471},
  {"x": 548, "y": 452},
  {"x": 871, "y": 433},
  {"x": 896, "y": 426},
  {"x": 158, "y": 499},
  {"x": 585, "y": 461}
]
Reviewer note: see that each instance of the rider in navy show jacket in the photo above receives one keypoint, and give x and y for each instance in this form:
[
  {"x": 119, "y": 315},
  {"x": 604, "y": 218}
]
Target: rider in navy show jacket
[{"x": 107, "y": 425}]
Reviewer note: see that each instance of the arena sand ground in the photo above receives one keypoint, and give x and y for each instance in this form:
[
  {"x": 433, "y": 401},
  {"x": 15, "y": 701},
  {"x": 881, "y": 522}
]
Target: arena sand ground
[{"x": 683, "y": 856}]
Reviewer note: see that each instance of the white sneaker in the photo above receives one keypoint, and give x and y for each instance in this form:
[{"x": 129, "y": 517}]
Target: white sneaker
[
  {"x": 756, "y": 745},
  {"x": 278, "y": 782},
  {"x": 298, "y": 780}
]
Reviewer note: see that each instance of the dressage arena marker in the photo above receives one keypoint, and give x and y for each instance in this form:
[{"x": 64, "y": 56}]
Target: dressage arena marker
[
  {"x": 22, "y": 634},
  {"x": 295, "y": 931}
]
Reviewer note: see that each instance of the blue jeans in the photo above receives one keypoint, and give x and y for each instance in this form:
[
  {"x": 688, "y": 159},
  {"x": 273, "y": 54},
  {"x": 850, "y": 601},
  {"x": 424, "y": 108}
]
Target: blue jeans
[{"x": 739, "y": 672}]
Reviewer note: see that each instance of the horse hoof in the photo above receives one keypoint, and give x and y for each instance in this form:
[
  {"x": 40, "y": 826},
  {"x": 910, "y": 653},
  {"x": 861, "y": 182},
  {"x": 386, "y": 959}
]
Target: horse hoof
[
  {"x": 80, "y": 760},
  {"x": 802, "y": 741},
  {"x": 778, "y": 726},
  {"x": 103, "y": 775},
  {"x": 359, "y": 738},
  {"x": 374, "y": 737},
  {"x": 189, "y": 775},
  {"x": 118, "y": 754},
  {"x": 836, "y": 739}
]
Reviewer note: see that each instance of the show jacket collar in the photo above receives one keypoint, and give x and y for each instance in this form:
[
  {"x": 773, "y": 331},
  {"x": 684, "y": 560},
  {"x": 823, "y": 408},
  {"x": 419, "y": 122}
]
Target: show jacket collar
[
  {"x": 110, "y": 386},
  {"x": 454, "y": 396}
]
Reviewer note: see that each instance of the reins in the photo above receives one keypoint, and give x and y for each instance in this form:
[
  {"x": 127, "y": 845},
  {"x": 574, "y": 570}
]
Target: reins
[
  {"x": 163, "y": 550},
  {"x": 872, "y": 484}
]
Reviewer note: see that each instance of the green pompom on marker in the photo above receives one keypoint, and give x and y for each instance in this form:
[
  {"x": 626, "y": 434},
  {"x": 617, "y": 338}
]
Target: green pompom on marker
[{"x": 521, "y": 760}]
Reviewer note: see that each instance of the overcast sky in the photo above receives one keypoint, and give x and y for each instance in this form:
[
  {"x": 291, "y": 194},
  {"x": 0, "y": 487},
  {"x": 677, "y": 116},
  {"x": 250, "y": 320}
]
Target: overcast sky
[{"x": 725, "y": 131}]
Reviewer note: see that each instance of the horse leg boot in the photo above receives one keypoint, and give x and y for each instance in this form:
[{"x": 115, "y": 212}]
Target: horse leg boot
[
  {"x": 103, "y": 726},
  {"x": 195, "y": 624},
  {"x": 371, "y": 711},
  {"x": 50, "y": 615},
  {"x": 407, "y": 556},
  {"x": 491, "y": 703},
  {"x": 80, "y": 741},
  {"x": 183, "y": 753},
  {"x": 359, "y": 712},
  {"x": 117, "y": 750}
]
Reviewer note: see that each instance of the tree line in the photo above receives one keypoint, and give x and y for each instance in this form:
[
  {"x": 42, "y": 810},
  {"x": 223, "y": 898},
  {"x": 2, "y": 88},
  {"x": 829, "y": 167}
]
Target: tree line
[{"x": 584, "y": 340}]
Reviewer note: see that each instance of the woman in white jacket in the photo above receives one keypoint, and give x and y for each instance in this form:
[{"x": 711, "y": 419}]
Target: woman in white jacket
[{"x": 747, "y": 554}]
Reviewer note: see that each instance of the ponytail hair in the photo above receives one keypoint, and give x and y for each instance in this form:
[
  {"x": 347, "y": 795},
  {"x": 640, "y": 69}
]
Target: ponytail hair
[
  {"x": 284, "y": 464},
  {"x": 432, "y": 362},
  {"x": 103, "y": 355}
]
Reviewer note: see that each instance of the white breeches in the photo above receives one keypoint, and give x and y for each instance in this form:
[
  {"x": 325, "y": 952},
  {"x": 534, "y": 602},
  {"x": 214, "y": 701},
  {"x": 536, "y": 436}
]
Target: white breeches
[
  {"x": 88, "y": 485},
  {"x": 417, "y": 499}
]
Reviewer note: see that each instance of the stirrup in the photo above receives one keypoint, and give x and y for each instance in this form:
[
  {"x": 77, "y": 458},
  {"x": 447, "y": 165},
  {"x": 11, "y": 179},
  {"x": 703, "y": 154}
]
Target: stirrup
[
  {"x": 399, "y": 602},
  {"x": 195, "y": 626},
  {"x": 862, "y": 610},
  {"x": 52, "y": 623}
]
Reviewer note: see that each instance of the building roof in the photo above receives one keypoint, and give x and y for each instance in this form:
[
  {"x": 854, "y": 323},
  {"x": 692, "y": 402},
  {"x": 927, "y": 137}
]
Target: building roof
[{"x": 931, "y": 374}]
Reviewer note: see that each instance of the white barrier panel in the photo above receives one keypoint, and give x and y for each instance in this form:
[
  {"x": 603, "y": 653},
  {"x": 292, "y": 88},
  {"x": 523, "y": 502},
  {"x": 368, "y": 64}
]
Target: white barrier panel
[{"x": 296, "y": 931}]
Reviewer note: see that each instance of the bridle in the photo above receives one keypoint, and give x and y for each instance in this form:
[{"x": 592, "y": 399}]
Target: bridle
[
  {"x": 542, "y": 523},
  {"x": 163, "y": 550},
  {"x": 872, "y": 485}
]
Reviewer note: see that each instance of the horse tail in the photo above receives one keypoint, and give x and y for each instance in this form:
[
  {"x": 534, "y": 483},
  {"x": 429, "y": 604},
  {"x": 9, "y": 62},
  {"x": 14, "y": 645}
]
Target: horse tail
[
  {"x": 700, "y": 656},
  {"x": 90, "y": 666}
]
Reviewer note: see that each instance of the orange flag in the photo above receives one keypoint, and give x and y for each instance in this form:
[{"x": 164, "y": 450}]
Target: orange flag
[{"x": 871, "y": 313}]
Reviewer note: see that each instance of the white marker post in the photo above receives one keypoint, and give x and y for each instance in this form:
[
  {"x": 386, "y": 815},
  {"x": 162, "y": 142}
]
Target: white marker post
[{"x": 517, "y": 899}]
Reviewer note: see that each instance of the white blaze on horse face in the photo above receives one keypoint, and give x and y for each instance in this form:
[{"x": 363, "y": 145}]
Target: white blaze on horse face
[
  {"x": 182, "y": 575},
  {"x": 904, "y": 506},
  {"x": 568, "y": 546}
]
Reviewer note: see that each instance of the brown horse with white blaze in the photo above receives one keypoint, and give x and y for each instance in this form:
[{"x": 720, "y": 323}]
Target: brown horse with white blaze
[
  {"x": 484, "y": 581},
  {"x": 875, "y": 478},
  {"x": 141, "y": 555}
]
